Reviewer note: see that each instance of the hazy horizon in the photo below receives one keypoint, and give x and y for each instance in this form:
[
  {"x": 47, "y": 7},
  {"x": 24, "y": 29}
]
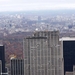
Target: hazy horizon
[{"x": 23, "y": 5}]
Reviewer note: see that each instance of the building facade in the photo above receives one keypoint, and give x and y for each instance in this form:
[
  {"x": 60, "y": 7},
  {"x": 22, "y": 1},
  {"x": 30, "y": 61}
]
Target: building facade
[
  {"x": 43, "y": 54},
  {"x": 2, "y": 58},
  {"x": 68, "y": 53},
  {"x": 0, "y": 67},
  {"x": 17, "y": 66}
]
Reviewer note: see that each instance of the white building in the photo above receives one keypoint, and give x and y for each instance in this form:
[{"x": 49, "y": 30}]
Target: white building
[{"x": 43, "y": 54}]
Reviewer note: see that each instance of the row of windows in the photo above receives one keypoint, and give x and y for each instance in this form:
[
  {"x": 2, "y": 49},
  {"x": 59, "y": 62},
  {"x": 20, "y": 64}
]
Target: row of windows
[{"x": 17, "y": 67}]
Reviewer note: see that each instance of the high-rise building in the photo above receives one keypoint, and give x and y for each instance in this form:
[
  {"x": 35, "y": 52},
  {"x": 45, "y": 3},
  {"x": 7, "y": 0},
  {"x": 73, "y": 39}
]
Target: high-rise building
[
  {"x": 17, "y": 66},
  {"x": 0, "y": 67},
  {"x": 68, "y": 53},
  {"x": 2, "y": 57},
  {"x": 43, "y": 54}
]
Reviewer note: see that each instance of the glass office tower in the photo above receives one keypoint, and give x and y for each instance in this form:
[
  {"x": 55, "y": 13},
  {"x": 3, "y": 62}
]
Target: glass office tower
[
  {"x": 2, "y": 57},
  {"x": 68, "y": 53}
]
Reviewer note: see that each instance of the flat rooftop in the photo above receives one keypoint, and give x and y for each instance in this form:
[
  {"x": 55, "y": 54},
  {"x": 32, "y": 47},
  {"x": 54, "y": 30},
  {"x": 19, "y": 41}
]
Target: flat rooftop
[
  {"x": 67, "y": 39},
  {"x": 1, "y": 44}
]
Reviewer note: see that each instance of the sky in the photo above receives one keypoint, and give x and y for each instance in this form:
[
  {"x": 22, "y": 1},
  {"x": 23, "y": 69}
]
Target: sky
[{"x": 22, "y": 5}]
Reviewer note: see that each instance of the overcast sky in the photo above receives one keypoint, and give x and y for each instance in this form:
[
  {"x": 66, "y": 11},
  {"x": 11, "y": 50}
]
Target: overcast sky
[{"x": 18, "y": 5}]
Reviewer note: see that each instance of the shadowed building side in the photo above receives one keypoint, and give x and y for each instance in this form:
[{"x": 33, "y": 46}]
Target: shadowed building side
[
  {"x": 2, "y": 57},
  {"x": 68, "y": 53}
]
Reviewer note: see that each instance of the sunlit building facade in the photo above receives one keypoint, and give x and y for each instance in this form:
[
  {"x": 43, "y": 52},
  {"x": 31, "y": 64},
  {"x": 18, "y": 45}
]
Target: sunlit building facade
[{"x": 43, "y": 54}]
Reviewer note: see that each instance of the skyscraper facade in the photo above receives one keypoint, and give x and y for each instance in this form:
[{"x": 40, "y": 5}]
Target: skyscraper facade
[
  {"x": 17, "y": 66},
  {"x": 43, "y": 54},
  {"x": 2, "y": 57},
  {"x": 68, "y": 53},
  {"x": 0, "y": 67}
]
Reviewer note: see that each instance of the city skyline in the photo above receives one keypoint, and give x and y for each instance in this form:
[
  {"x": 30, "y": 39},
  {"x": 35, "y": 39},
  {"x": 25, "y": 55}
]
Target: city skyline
[{"x": 20, "y": 5}]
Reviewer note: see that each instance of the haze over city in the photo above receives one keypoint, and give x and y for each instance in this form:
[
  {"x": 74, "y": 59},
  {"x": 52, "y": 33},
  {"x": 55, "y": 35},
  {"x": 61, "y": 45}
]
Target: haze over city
[
  {"x": 37, "y": 37},
  {"x": 23, "y": 5}
]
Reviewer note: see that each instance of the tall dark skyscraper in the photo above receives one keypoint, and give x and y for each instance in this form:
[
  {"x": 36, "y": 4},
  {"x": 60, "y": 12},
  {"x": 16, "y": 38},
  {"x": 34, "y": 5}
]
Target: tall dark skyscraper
[
  {"x": 2, "y": 57},
  {"x": 43, "y": 54},
  {"x": 68, "y": 53}
]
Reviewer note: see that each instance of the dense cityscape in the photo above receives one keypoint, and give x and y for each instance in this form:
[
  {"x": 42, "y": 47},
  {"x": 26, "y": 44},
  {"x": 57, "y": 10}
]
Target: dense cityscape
[
  {"x": 25, "y": 21},
  {"x": 18, "y": 27},
  {"x": 15, "y": 26}
]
